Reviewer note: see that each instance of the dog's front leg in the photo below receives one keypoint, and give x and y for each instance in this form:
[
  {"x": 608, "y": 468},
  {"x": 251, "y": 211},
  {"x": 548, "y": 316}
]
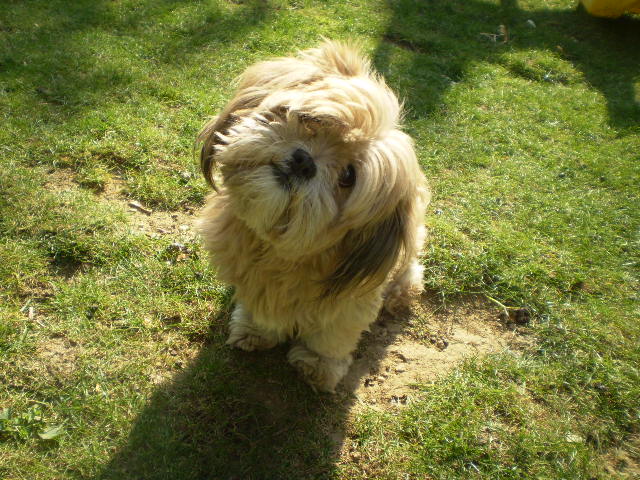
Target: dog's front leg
[
  {"x": 246, "y": 335},
  {"x": 324, "y": 357}
]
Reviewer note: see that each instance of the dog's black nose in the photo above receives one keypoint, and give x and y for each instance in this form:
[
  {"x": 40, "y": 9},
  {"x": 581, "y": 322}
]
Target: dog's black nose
[{"x": 301, "y": 165}]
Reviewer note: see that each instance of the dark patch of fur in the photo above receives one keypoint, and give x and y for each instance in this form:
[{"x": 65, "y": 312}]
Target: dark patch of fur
[
  {"x": 209, "y": 138},
  {"x": 242, "y": 104},
  {"x": 369, "y": 256}
]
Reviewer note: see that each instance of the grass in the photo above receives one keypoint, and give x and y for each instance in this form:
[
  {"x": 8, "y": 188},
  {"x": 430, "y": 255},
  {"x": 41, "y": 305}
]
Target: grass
[{"x": 112, "y": 333}]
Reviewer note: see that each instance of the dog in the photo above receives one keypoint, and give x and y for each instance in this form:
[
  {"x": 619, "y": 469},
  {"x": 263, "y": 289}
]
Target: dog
[{"x": 317, "y": 218}]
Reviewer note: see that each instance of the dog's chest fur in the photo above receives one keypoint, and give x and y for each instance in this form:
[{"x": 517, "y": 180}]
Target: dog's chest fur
[{"x": 283, "y": 295}]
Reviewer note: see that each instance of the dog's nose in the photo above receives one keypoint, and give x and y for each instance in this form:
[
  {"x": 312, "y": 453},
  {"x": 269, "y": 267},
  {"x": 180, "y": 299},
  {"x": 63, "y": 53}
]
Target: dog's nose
[{"x": 301, "y": 165}]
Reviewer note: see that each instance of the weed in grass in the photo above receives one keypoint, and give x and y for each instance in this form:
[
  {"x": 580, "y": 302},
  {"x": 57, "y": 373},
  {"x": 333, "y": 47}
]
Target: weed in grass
[{"x": 25, "y": 425}]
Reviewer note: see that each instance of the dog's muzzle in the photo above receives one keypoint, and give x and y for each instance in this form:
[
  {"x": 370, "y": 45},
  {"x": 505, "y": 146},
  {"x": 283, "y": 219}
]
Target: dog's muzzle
[{"x": 299, "y": 167}]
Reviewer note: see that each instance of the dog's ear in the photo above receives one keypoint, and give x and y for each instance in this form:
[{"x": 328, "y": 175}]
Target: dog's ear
[
  {"x": 213, "y": 132},
  {"x": 369, "y": 254}
]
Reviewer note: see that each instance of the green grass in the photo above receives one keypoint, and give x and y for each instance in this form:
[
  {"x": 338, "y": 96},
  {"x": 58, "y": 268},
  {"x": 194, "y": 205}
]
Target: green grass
[{"x": 112, "y": 336}]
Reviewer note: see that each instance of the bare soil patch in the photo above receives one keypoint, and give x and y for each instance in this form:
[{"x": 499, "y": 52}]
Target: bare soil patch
[
  {"x": 174, "y": 354},
  {"x": 624, "y": 462},
  {"x": 58, "y": 355},
  {"x": 154, "y": 223},
  {"x": 61, "y": 180},
  {"x": 399, "y": 353}
]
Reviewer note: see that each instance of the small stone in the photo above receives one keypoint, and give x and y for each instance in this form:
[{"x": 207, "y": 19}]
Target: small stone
[
  {"x": 138, "y": 206},
  {"x": 148, "y": 322},
  {"x": 400, "y": 369},
  {"x": 573, "y": 438},
  {"x": 399, "y": 399},
  {"x": 400, "y": 356},
  {"x": 531, "y": 23},
  {"x": 183, "y": 228}
]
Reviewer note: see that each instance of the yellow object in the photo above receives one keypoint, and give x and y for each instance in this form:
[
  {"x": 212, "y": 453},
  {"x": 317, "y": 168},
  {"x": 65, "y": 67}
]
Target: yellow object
[{"x": 611, "y": 8}]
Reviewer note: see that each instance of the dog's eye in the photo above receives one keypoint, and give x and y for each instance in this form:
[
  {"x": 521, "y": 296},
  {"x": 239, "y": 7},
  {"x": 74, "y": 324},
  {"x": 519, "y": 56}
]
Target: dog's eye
[{"x": 347, "y": 177}]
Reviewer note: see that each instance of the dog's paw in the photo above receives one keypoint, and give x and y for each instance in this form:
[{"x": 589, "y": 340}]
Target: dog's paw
[
  {"x": 249, "y": 342},
  {"x": 243, "y": 334},
  {"x": 321, "y": 373},
  {"x": 404, "y": 290}
]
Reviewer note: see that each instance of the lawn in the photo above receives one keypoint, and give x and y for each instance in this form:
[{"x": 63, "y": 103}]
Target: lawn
[{"x": 526, "y": 117}]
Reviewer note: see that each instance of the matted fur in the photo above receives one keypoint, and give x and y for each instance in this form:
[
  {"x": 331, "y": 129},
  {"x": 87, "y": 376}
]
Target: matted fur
[{"x": 312, "y": 260}]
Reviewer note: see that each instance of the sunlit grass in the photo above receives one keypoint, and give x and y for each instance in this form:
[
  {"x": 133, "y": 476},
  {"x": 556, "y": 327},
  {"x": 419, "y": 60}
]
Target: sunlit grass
[{"x": 112, "y": 335}]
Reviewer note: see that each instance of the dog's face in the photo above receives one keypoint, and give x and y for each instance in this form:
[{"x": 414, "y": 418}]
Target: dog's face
[{"x": 312, "y": 161}]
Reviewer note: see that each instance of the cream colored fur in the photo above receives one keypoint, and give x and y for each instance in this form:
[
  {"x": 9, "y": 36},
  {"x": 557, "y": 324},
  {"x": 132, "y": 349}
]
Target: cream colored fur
[{"x": 312, "y": 261}]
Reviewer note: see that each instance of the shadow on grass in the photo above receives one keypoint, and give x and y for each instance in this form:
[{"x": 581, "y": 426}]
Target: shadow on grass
[
  {"x": 445, "y": 37},
  {"x": 70, "y": 56},
  {"x": 238, "y": 415}
]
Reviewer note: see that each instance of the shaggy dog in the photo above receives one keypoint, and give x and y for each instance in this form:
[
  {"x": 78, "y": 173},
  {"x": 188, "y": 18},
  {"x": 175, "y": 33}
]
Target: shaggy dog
[{"x": 317, "y": 220}]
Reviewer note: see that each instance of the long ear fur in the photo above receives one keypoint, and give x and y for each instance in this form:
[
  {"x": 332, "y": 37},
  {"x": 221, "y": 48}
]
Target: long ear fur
[
  {"x": 244, "y": 101},
  {"x": 370, "y": 254}
]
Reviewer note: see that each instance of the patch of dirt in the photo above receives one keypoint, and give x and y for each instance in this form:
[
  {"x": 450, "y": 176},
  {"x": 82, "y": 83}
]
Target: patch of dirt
[
  {"x": 144, "y": 219},
  {"x": 58, "y": 355},
  {"x": 398, "y": 353},
  {"x": 61, "y": 180},
  {"x": 174, "y": 354},
  {"x": 624, "y": 462},
  {"x": 113, "y": 189}
]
